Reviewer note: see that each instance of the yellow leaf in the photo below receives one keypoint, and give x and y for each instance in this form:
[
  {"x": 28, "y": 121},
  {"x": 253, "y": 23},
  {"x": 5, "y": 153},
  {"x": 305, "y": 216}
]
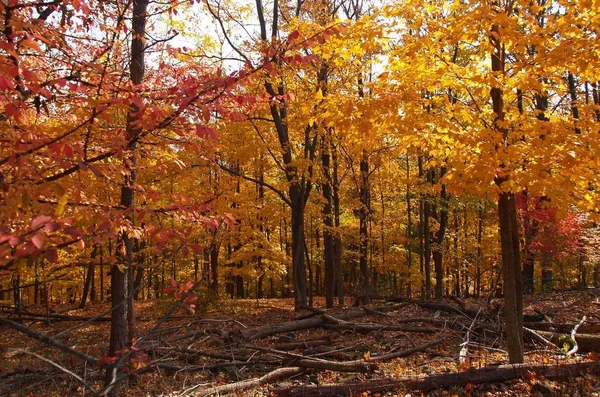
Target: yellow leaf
[
  {"x": 367, "y": 355},
  {"x": 62, "y": 203},
  {"x": 319, "y": 95}
]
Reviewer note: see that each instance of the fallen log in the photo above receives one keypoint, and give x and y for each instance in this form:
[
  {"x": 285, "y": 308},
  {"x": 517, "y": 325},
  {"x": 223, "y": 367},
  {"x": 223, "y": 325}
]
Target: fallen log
[
  {"x": 586, "y": 342},
  {"x": 313, "y": 322},
  {"x": 491, "y": 374},
  {"x": 564, "y": 328}
]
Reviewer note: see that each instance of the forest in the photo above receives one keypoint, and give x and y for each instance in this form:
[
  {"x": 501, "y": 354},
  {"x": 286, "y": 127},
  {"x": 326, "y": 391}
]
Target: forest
[{"x": 299, "y": 197}]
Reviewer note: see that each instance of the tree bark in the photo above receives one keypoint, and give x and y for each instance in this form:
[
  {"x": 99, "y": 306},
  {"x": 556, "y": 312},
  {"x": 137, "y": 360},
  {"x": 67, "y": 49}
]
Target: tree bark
[
  {"x": 328, "y": 241},
  {"x": 214, "y": 269},
  {"x": 507, "y": 214},
  {"x": 438, "y": 253},
  {"x": 339, "y": 270},
  {"x": 122, "y": 320},
  {"x": 408, "y": 231},
  {"x": 89, "y": 278},
  {"x": 363, "y": 280}
]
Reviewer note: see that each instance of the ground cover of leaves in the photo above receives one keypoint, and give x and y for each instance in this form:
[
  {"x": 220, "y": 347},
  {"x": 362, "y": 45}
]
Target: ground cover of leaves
[{"x": 187, "y": 341}]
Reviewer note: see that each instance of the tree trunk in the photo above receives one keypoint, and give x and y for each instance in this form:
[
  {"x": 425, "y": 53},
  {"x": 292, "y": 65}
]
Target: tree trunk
[
  {"x": 328, "y": 242},
  {"x": 214, "y": 269},
  {"x": 422, "y": 230},
  {"x": 122, "y": 319},
  {"x": 457, "y": 272},
  {"x": 507, "y": 214},
  {"x": 547, "y": 282},
  {"x": 438, "y": 253},
  {"x": 36, "y": 283},
  {"x": 89, "y": 278},
  {"x": 479, "y": 249},
  {"x": 18, "y": 303},
  {"x": 531, "y": 229},
  {"x": 339, "y": 271},
  {"x": 298, "y": 267},
  {"x": 101, "y": 269},
  {"x": 427, "y": 247},
  {"x": 408, "y": 233},
  {"x": 363, "y": 283},
  {"x": 137, "y": 283}
]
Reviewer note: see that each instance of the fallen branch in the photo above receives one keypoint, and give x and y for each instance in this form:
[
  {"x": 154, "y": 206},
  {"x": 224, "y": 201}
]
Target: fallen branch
[
  {"x": 242, "y": 385},
  {"x": 313, "y": 322},
  {"x": 573, "y": 335},
  {"x": 534, "y": 335},
  {"x": 61, "y": 317},
  {"x": 406, "y": 352},
  {"x": 321, "y": 364},
  {"x": 60, "y": 367},
  {"x": 303, "y": 344},
  {"x": 491, "y": 374},
  {"x": 46, "y": 339},
  {"x": 437, "y": 306}
]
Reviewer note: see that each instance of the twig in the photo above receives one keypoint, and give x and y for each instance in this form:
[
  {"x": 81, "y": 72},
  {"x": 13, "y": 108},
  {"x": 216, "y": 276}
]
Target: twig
[
  {"x": 538, "y": 337},
  {"x": 464, "y": 349}
]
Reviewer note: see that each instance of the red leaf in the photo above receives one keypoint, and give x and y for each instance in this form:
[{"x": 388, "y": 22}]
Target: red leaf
[
  {"x": 204, "y": 132},
  {"x": 68, "y": 151},
  {"x": 107, "y": 360},
  {"x": 39, "y": 240},
  {"x": 6, "y": 85},
  {"x": 293, "y": 36},
  {"x": 40, "y": 220},
  {"x": 52, "y": 226},
  {"x": 191, "y": 298},
  {"x": 51, "y": 255}
]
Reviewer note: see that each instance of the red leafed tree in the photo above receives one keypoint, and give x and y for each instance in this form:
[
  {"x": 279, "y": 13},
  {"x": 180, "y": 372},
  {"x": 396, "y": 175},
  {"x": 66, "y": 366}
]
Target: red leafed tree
[{"x": 548, "y": 235}]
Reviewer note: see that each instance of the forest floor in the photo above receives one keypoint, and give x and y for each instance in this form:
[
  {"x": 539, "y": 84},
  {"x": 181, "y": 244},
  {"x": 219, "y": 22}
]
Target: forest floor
[{"x": 237, "y": 340}]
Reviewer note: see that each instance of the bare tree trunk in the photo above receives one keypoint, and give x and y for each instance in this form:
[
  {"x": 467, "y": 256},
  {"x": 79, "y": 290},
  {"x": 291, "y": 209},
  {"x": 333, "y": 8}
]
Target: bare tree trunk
[
  {"x": 457, "y": 272},
  {"x": 531, "y": 229},
  {"x": 422, "y": 232},
  {"x": 328, "y": 241},
  {"x": 408, "y": 231},
  {"x": 438, "y": 254},
  {"x": 363, "y": 283},
  {"x": 507, "y": 215},
  {"x": 547, "y": 275},
  {"x": 214, "y": 269},
  {"x": 427, "y": 246},
  {"x": 339, "y": 270},
  {"x": 122, "y": 318},
  {"x": 89, "y": 277},
  {"x": 36, "y": 283},
  {"x": 17, "y": 299}
]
